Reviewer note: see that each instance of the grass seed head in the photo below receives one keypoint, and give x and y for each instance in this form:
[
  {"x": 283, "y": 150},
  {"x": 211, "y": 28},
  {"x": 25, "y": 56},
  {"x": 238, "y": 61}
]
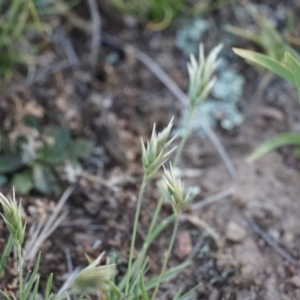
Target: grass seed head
[
  {"x": 201, "y": 75},
  {"x": 93, "y": 278},
  {"x": 173, "y": 189},
  {"x": 155, "y": 153},
  {"x": 12, "y": 216}
]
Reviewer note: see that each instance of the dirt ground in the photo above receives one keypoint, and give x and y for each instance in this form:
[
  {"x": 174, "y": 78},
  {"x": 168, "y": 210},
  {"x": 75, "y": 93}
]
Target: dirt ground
[{"x": 249, "y": 245}]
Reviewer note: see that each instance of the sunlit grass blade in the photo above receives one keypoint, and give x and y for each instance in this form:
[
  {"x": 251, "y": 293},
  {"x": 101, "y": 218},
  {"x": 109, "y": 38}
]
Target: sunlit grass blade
[
  {"x": 280, "y": 140},
  {"x": 267, "y": 62},
  {"x": 31, "y": 280},
  {"x": 294, "y": 66},
  {"x": 171, "y": 273}
]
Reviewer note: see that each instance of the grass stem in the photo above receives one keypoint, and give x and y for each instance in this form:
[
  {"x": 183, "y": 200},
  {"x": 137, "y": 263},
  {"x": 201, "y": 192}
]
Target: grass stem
[
  {"x": 175, "y": 229},
  {"x": 187, "y": 132},
  {"x": 133, "y": 236},
  {"x": 20, "y": 262}
]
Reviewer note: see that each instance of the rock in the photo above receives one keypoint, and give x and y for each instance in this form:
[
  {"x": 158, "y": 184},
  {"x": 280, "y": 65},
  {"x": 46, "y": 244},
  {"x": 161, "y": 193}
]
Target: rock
[
  {"x": 295, "y": 281},
  {"x": 184, "y": 244},
  {"x": 235, "y": 233}
]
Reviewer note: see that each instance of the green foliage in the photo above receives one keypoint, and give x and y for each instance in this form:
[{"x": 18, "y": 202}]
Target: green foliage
[
  {"x": 29, "y": 169},
  {"x": 267, "y": 37},
  {"x": 289, "y": 70},
  {"x": 159, "y": 13},
  {"x": 93, "y": 278},
  {"x": 19, "y": 19}
]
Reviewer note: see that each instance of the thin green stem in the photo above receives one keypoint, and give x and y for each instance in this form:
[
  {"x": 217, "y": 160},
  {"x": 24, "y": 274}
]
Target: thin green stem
[
  {"x": 20, "y": 262},
  {"x": 186, "y": 134},
  {"x": 146, "y": 244},
  {"x": 161, "y": 199},
  {"x": 133, "y": 236},
  {"x": 175, "y": 229}
]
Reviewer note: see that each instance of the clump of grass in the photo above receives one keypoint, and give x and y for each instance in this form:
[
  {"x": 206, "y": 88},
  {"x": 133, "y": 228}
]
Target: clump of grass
[
  {"x": 19, "y": 19},
  {"x": 99, "y": 279}
]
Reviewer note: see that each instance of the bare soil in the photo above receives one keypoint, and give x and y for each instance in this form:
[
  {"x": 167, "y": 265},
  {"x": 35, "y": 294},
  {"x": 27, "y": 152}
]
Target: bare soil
[{"x": 116, "y": 104}]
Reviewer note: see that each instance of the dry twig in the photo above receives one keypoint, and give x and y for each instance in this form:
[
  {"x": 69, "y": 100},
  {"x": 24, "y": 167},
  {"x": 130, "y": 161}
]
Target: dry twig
[
  {"x": 256, "y": 229},
  {"x": 214, "y": 198},
  {"x": 95, "y": 31}
]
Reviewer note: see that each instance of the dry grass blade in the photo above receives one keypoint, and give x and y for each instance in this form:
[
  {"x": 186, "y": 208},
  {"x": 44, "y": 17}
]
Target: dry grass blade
[{"x": 46, "y": 228}]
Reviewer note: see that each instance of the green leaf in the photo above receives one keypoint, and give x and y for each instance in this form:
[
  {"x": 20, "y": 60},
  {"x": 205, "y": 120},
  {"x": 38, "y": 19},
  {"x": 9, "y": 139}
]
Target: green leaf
[
  {"x": 10, "y": 163},
  {"x": 7, "y": 249},
  {"x": 23, "y": 182},
  {"x": 267, "y": 62},
  {"x": 80, "y": 148},
  {"x": 114, "y": 289},
  {"x": 32, "y": 121},
  {"x": 61, "y": 137},
  {"x": 45, "y": 180},
  {"x": 53, "y": 155},
  {"x": 48, "y": 287},
  {"x": 280, "y": 140},
  {"x": 190, "y": 292},
  {"x": 5, "y": 296},
  {"x": 168, "y": 275},
  {"x": 32, "y": 279},
  {"x": 143, "y": 288},
  {"x": 35, "y": 289},
  {"x": 294, "y": 66}
]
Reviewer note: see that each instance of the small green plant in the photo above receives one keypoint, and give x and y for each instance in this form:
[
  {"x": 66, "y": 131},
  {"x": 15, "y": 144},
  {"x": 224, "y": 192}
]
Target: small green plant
[
  {"x": 31, "y": 160},
  {"x": 289, "y": 70},
  {"x": 159, "y": 14},
  {"x": 89, "y": 280},
  {"x": 273, "y": 43},
  {"x": 19, "y": 19}
]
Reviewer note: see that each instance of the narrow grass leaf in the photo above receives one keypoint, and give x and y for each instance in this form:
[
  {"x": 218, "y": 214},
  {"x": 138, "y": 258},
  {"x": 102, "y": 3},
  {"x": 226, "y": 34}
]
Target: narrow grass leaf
[
  {"x": 135, "y": 279},
  {"x": 114, "y": 289},
  {"x": 168, "y": 275},
  {"x": 166, "y": 222},
  {"x": 49, "y": 287},
  {"x": 35, "y": 289},
  {"x": 294, "y": 66},
  {"x": 178, "y": 294},
  {"x": 189, "y": 293},
  {"x": 267, "y": 62},
  {"x": 5, "y": 254},
  {"x": 148, "y": 242},
  {"x": 143, "y": 288},
  {"x": 5, "y": 296},
  {"x": 32, "y": 279},
  {"x": 280, "y": 140}
]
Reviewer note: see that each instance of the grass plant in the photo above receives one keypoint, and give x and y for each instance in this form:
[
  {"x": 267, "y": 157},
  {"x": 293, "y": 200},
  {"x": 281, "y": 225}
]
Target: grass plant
[
  {"x": 97, "y": 279},
  {"x": 289, "y": 70}
]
